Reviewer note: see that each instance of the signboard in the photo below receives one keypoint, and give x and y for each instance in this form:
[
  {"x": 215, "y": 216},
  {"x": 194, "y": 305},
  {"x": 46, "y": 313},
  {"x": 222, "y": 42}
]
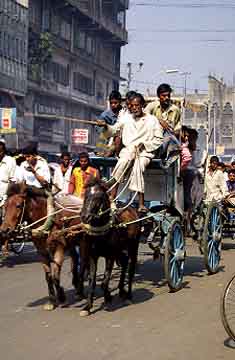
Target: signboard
[
  {"x": 80, "y": 136},
  {"x": 7, "y": 120},
  {"x": 220, "y": 150}
]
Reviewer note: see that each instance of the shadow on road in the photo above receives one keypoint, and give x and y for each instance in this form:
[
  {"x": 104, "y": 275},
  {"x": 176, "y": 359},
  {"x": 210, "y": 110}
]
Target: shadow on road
[
  {"x": 228, "y": 246},
  {"x": 230, "y": 343},
  {"x": 22, "y": 259}
]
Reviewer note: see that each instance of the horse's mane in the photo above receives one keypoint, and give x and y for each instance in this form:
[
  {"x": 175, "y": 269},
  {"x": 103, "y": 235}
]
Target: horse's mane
[{"x": 14, "y": 189}]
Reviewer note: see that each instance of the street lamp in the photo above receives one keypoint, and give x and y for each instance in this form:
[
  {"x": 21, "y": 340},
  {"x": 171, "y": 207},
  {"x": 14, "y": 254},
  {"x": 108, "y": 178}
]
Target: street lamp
[{"x": 185, "y": 74}]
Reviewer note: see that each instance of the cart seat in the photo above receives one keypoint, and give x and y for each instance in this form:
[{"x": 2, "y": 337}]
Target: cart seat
[{"x": 155, "y": 206}]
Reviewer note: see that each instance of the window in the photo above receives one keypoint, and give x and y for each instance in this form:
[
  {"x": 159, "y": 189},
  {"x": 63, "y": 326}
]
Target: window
[
  {"x": 61, "y": 74},
  {"x": 55, "y": 24},
  {"x": 79, "y": 39},
  {"x": 83, "y": 84},
  {"x": 65, "y": 30}
]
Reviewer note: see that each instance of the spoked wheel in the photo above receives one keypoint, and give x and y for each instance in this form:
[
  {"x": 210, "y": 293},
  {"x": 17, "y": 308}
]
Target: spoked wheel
[
  {"x": 174, "y": 256},
  {"x": 17, "y": 247},
  {"x": 227, "y": 308},
  {"x": 211, "y": 239}
]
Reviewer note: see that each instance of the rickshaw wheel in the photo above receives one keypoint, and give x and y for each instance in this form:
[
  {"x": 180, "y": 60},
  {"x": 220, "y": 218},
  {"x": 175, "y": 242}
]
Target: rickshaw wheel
[
  {"x": 17, "y": 247},
  {"x": 227, "y": 307},
  {"x": 211, "y": 239},
  {"x": 174, "y": 258}
]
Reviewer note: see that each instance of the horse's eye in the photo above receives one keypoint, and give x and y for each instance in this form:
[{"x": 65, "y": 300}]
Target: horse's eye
[{"x": 19, "y": 206}]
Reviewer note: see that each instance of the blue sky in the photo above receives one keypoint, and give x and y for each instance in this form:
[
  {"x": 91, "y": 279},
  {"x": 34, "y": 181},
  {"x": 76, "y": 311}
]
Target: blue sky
[{"x": 206, "y": 43}]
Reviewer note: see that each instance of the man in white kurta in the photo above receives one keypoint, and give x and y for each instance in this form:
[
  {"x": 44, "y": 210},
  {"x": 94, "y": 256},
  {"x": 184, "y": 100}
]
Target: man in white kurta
[
  {"x": 7, "y": 169},
  {"x": 215, "y": 184},
  {"x": 141, "y": 135},
  {"x": 62, "y": 175}
]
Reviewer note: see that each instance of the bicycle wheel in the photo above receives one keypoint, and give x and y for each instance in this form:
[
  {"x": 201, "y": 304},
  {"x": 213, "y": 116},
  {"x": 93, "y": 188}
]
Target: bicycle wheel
[{"x": 227, "y": 307}]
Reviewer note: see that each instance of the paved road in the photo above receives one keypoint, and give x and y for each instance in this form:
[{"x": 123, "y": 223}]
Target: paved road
[{"x": 159, "y": 325}]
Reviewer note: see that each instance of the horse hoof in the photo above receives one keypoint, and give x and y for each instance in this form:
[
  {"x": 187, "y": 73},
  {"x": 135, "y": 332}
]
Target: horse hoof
[
  {"x": 84, "y": 313},
  {"x": 49, "y": 307}
]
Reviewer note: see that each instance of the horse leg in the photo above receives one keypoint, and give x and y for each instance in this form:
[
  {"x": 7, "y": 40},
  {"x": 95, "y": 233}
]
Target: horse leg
[
  {"x": 57, "y": 263},
  {"x": 124, "y": 265},
  {"x": 51, "y": 291},
  {"x": 74, "y": 269},
  {"x": 105, "y": 284},
  {"x": 91, "y": 287},
  {"x": 84, "y": 265},
  {"x": 132, "y": 265}
]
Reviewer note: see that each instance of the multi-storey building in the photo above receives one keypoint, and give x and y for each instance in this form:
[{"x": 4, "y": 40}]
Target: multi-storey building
[
  {"x": 13, "y": 54},
  {"x": 74, "y": 63}
]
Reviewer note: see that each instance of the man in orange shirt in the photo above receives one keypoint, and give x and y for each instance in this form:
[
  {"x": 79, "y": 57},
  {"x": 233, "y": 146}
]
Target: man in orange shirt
[{"x": 82, "y": 173}]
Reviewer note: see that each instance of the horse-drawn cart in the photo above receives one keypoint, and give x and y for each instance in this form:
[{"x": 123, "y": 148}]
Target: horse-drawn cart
[{"x": 163, "y": 226}]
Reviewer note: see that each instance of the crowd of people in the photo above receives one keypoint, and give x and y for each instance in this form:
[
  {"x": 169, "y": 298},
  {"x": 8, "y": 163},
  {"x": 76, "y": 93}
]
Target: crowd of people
[{"x": 135, "y": 134}]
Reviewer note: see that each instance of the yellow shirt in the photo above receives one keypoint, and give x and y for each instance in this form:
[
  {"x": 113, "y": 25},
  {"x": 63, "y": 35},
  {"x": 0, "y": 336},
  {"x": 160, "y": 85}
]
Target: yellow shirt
[{"x": 81, "y": 177}]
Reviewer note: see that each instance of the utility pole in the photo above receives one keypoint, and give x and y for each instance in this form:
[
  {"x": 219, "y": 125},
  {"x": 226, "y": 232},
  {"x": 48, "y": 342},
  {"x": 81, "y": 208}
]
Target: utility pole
[
  {"x": 214, "y": 130},
  {"x": 130, "y": 73}
]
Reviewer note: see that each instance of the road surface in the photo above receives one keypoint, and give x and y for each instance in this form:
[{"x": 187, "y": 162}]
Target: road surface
[{"x": 158, "y": 325}]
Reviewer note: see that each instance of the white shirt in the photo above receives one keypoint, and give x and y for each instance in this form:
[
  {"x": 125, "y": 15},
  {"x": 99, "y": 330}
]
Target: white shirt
[
  {"x": 145, "y": 130},
  {"x": 62, "y": 181},
  {"x": 7, "y": 172},
  {"x": 215, "y": 185},
  {"x": 41, "y": 168}
]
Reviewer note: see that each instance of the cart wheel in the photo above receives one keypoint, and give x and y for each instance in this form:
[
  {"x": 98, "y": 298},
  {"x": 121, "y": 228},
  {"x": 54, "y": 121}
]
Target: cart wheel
[
  {"x": 174, "y": 256},
  {"x": 227, "y": 307},
  {"x": 211, "y": 239},
  {"x": 17, "y": 247}
]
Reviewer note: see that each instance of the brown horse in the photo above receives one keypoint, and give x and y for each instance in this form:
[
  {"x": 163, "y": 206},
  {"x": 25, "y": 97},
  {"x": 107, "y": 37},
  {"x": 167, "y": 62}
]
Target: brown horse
[
  {"x": 107, "y": 236},
  {"x": 22, "y": 205}
]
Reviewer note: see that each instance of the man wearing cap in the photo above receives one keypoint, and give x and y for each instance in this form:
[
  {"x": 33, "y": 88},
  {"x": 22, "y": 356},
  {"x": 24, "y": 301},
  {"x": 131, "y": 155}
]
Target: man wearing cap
[{"x": 7, "y": 169}]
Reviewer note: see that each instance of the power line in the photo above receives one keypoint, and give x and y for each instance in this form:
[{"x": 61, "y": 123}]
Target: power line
[
  {"x": 157, "y": 83},
  {"x": 182, "y": 30},
  {"x": 219, "y": 41},
  {"x": 186, "y": 6}
]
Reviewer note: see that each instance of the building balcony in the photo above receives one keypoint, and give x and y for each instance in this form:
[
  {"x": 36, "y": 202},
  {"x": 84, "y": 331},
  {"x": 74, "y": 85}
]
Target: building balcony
[{"x": 91, "y": 18}]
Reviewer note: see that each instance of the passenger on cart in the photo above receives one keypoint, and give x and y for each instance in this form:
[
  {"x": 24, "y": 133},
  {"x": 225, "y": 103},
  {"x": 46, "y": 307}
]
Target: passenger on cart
[
  {"x": 169, "y": 116},
  {"x": 110, "y": 116},
  {"x": 141, "y": 135},
  {"x": 231, "y": 181}
]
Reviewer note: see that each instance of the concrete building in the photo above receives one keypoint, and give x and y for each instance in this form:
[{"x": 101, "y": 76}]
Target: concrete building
[
  {"x": 217, "y": 113},
  {"x": 13, "y": 55},
  {"x": 74, "y": 63},
  {"x": 59, "y": 60}
]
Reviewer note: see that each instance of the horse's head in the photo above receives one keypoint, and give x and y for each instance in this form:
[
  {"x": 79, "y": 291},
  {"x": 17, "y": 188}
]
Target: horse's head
[
  {"x": 96, "y": 204},
  {"x": 14, "y": 207}
]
